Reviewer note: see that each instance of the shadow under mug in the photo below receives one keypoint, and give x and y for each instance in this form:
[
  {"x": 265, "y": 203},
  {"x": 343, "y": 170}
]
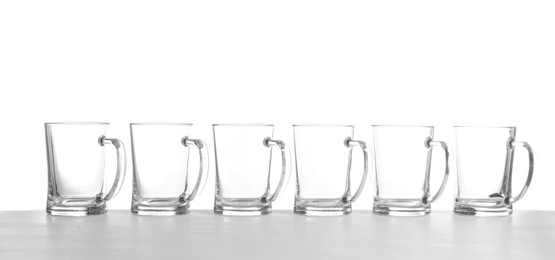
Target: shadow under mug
[
  {"x": 160, "y": 168},
  {"x": 323, "y": 155},
  {"x": 243, "y": 162},
  {"x": 403, "y": 156},
  {"x": 485, "y": 158},
  {"x": 76, "y": 161}
]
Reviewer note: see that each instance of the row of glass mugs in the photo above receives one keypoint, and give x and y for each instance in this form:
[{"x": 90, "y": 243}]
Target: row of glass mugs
[{"x": 161, "y": 186}]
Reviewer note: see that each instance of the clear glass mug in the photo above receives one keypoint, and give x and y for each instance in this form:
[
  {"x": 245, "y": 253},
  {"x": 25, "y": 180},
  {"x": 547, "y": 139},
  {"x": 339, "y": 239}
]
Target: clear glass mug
[
  {"x": 484, "y": 158},
  {"x": 403, "y": 156},
  {"x": 160, "y": 168},
  {"x": 76, "y": 161},
  {"x": 323, "y": 161},
  {"x": 243, "y": 161}
]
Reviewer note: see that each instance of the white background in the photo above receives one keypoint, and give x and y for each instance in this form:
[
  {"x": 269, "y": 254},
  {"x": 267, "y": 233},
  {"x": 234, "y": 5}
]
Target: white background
[{"x": 443, "y": 63}]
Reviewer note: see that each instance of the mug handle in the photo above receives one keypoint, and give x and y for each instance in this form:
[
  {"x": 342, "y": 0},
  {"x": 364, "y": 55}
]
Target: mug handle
[
  {"x": 350, "y": 143},
  {"x": 429, "y": 144},
  {"x": 513, "y": 145},
  {"x": 203, "y": 168},
  {"x": 285, "y": 165},
  {"x": 121, "y": 165}
]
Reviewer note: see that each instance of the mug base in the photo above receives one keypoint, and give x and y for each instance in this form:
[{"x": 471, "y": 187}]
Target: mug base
[
  {"x": 483, "y": 207},
  {"x": 321, "y": 207},
  {"x": 75, "y": 211},
  {"x": 159, "y": 211},
  {"x": 71, "y": 206},
  {"x": 481, "y": 211},
  {"x": 159, "y": 206},
  {"x": 401, "y": 207},
  {"x": 242, "y": 207},
  {"x": 233, "y": 211}
]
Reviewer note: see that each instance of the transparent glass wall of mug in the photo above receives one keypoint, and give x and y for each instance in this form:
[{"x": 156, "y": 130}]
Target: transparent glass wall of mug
[
  {"x": 243, "y": 155},
  {"x": 161, "y": 183},
  {"x": 323, "y": 164},
  {"x": 403, "y": 155},
  {"x": 76, "y": 160},
  {"x": 484, "y": 158}
]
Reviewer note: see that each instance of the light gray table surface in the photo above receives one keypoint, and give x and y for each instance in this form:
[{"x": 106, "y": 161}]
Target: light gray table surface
[{"x": 280, "y": 235}]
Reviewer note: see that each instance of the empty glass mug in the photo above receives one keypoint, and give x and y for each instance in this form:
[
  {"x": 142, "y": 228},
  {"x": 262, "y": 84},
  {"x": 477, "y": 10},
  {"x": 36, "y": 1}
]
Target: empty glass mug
[
  {"x": 403, "y": 156},
  {"x": 76, "y": 160},
  {"x": 323, "y": 159},
  {"x": 161, "y": 183},
  {"x": 243, "y": 156},
  {"x": 484, "y": 170}
]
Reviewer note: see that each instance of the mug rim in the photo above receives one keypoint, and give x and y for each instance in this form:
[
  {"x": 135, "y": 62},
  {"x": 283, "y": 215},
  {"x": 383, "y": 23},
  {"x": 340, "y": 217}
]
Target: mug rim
[
  {"x": 484, "y": 126},
  {"x": 242, "y": 124},
  {"x": 160, "y": 123},
  {"x": 322, "y": 125},
  {"x": 403, "y": 125},
  {"x": 76, "y": 123}
]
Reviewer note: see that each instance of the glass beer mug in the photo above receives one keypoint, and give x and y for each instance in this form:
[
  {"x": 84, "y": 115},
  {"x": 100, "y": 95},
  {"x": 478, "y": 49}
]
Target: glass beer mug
[
  {"x": 161, "y": 180},
  {"x": 403, "y": 156},
  {"x": 484, "y": 170},
  {"x": 243, "y": 155},
  {"x": 323, "y": 157},
  {"x": 76, "y": 160}
]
